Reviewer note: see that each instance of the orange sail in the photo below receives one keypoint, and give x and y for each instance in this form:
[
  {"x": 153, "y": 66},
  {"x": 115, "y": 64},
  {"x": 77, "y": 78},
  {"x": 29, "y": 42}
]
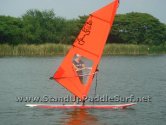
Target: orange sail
[{"x": 78, "y": 68}]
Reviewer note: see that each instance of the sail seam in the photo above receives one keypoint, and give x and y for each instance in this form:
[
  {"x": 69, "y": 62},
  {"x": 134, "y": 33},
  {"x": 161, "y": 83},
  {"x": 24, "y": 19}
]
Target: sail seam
[
  {"x": 100, "y": 19},
  {"x": 86, "y": 50}
]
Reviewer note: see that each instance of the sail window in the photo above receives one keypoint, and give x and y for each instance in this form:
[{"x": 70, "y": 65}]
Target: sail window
[{"x": 82, "y": 67}]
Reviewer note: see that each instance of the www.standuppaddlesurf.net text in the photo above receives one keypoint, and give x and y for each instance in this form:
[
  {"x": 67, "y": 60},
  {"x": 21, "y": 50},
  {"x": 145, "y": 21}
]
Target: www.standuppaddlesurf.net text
[{"x": 98, "y": 98}]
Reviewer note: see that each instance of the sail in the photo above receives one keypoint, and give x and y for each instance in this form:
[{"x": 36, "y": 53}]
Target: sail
[{"x": 77, "y": 70}]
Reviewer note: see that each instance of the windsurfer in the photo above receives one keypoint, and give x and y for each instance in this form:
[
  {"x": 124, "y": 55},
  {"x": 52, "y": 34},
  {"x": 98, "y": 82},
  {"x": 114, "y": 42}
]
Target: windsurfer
[{"x": 79, "y": 66}]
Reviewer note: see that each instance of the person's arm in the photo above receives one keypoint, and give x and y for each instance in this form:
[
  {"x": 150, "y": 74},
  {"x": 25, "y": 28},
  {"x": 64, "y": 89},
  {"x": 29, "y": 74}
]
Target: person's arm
[
  {"x": 76, "y": 67},
  {"x": 84, "y": 67}
]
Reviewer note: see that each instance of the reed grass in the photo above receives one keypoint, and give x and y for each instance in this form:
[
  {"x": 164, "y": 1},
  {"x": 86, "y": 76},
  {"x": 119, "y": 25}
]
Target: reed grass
[
  {"x": 61, "y": 49},
  {"x": 125, "y": 49}
]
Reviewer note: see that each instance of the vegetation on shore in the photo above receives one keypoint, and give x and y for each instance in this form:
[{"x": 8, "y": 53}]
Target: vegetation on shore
[
  {"x": 42, "y": 33},
  {"x": 62, "y": 49},
  {"x": 40, "y": 27}
]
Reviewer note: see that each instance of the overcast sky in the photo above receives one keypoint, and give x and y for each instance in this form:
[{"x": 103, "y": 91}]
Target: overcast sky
[{"x": 73, "y": 8}]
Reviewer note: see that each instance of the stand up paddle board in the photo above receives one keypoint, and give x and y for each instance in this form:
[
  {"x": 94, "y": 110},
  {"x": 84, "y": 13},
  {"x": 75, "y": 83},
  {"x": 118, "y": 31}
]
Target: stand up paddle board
[{"x": 51, "y": 106}]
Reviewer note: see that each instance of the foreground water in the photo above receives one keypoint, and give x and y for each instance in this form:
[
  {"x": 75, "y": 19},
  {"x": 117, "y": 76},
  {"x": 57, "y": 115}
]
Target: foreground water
[{"x": 141, "y": 76}]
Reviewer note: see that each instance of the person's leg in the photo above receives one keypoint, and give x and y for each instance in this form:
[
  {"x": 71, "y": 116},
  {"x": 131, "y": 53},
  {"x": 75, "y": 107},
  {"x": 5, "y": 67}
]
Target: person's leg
[
  {"x": 83, "y": 102},
  {"x": 81, "y": 79}
]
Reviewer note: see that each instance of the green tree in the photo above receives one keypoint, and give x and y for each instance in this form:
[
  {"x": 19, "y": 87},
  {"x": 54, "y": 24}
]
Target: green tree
[
  {"x": 42, "y": 26},
  {"x": 45, "y": 27},
  {"x": 138, "y": 28},
  {"x": 10, "y": 30},
  {"x": 73, "y": 28}
]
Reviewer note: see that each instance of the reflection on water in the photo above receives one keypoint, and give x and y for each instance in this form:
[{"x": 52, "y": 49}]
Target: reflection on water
[{"x": 80, "y": 117}]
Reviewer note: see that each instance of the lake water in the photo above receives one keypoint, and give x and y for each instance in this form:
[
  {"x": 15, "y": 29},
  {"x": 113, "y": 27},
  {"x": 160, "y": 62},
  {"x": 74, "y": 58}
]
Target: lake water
[{"x": 124, "y": 76}]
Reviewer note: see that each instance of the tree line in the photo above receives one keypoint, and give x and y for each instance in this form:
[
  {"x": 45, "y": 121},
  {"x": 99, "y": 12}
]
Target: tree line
[{"x": 37, "y": 27}]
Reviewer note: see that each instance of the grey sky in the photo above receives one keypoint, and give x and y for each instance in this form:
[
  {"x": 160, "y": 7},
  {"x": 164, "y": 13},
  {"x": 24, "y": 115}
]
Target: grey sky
[{"x": 73, "y": 8}]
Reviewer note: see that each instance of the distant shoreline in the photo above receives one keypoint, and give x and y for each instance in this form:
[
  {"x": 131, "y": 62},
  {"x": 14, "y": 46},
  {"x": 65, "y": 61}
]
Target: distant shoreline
[{"x": 62, "y": 49}]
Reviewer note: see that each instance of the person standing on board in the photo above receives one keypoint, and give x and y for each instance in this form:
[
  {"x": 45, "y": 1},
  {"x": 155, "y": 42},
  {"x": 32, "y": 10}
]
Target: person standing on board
[{"x": 79, "y": 66}]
